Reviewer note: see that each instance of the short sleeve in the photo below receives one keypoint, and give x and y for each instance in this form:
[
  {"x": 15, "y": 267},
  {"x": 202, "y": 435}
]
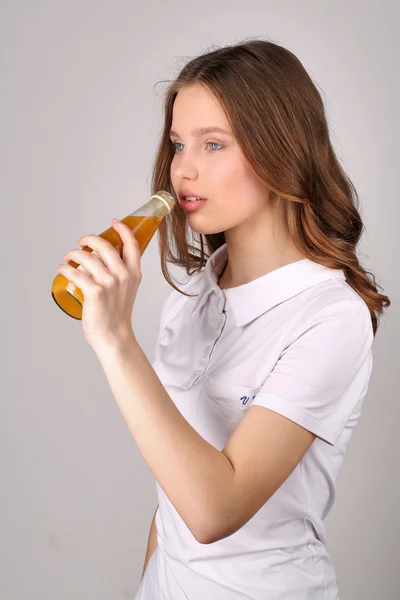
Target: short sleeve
[{"x": 321, "y": 374}]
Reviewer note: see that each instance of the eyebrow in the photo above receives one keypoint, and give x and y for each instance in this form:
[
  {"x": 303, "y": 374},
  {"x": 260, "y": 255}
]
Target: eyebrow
[{"x": 203, "y": 131}]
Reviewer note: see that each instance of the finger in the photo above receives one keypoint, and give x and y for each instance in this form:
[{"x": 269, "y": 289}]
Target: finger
[
  {"x": 82, "y": 280},
  {"x": 92, "y": 264},
  {"x": 105, "y": 252},
  {"x": 131, "y": 252}
]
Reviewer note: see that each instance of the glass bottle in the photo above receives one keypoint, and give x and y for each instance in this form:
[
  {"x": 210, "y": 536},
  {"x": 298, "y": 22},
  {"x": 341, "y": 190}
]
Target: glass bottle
[{"x": 143, "y": 222}]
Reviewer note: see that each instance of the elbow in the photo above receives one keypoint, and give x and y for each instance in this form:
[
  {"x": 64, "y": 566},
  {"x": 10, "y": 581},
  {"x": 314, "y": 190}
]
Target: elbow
[
  {"x": 207, "y": 532},
  {"x": 206, "y": 538},
  {"x": 205, "y": 535},
  {"x": 214, "y": 533},
  {"x": 202, "y": 540},
  {"x": 220, "y": 518},
  {"x": 214, "y": 536},
  {"x": 222, "y": 526}
]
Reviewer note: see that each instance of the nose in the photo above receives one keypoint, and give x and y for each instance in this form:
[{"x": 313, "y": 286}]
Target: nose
[{"x": 185, "y": 167}]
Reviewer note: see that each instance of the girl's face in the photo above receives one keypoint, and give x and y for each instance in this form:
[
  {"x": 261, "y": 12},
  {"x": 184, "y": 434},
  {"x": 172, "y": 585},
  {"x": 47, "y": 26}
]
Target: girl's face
[{"x": 211, "y": 165}]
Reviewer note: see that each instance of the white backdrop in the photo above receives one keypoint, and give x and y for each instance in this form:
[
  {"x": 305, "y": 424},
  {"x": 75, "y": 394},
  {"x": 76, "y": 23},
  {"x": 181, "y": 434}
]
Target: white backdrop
[{"x": 79, "y": 123}]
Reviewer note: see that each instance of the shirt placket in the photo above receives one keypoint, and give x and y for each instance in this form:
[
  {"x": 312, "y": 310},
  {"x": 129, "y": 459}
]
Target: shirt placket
[{"x": 215, "y": 317}]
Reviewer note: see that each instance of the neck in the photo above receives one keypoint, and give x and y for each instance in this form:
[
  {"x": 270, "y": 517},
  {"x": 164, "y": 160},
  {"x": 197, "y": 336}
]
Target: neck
[{"x": 255, "y": 249}]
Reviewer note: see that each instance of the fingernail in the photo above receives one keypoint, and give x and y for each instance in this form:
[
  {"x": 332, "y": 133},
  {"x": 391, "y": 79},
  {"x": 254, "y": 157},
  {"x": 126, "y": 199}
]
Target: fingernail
[{"x": 115, "y": 220}]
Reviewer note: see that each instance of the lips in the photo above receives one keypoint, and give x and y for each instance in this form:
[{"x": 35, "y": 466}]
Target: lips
[
  {"x": 185, "y": 192},
  {"x": 193, "y": 206}
]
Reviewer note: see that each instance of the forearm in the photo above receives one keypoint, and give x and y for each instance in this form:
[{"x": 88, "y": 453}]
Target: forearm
[
  {"x": 195, "y": 476},
  {"x": 151, "y": 544}
]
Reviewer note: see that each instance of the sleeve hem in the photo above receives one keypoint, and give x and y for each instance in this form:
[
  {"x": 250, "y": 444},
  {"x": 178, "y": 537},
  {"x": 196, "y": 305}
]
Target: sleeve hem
[{"x": 299, "y": 416}]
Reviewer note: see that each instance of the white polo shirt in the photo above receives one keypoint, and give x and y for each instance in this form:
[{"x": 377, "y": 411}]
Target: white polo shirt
[{"x": 298, "y": 341}]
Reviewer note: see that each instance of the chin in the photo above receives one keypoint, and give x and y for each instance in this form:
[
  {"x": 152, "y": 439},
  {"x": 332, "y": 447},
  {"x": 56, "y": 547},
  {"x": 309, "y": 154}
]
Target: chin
[{"x": 206, "y": 230}]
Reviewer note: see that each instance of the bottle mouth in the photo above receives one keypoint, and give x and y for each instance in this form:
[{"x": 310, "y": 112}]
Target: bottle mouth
[{"x": 165, "y": 197}]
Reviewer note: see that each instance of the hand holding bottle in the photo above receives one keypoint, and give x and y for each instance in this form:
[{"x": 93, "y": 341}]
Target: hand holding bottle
[
  {"x": 143, "y": 223},
  {"x": 109, "y": 282}
]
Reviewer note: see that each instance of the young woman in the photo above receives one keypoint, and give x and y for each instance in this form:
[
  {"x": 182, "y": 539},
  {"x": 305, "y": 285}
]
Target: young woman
[{"x": 264, "y": 354}]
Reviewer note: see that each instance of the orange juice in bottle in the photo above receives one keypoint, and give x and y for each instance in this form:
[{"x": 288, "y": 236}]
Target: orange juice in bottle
[{"x": 143, "y": 222}]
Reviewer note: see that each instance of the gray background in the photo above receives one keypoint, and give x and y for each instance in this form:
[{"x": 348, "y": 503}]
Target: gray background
[{"x": 79, "y": 125}]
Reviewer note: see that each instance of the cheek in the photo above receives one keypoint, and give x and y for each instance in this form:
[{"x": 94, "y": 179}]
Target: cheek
[
  {"x": 242, "y": 192},
  {"x": 247, "y": 184},
  {"x": 235, "y": 182},
  {"x": 228, "y": 175}
]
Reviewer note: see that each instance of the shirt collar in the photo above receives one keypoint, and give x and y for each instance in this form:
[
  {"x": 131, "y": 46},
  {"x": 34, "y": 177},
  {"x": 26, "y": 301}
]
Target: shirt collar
[{"x": 251, "y": 300}]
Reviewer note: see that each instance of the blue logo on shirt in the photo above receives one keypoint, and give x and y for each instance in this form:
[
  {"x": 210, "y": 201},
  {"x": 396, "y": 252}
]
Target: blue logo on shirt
[{"x": 245, "y": 399}]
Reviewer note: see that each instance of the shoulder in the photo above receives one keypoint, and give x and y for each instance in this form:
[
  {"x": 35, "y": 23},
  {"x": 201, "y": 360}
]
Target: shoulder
[
  {"x": 331, "y": 332},
  {"x": 333, "y": 305}
]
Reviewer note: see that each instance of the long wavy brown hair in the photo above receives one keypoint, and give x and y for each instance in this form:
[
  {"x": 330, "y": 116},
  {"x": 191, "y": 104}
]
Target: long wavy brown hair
[{"x": 278, "y": 119}]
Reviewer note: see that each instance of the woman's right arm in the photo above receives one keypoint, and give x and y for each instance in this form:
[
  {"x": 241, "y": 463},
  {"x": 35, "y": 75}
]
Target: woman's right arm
[{"x": 152, "y": 543}]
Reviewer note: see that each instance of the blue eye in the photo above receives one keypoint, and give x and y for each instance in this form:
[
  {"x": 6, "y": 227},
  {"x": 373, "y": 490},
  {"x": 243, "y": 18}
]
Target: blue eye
[
  {"x": 175, "y": 144},
  {"x": 215, "y": 144}
]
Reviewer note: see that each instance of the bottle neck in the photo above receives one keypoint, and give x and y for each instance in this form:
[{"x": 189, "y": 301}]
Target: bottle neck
[
  {"x": 159, "y": 197},
  {"x": 159, "y": 205}
]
